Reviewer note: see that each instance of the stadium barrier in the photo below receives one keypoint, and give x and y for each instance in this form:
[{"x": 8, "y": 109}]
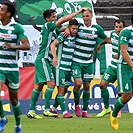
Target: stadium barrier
[{"x": 26, "y": 87}]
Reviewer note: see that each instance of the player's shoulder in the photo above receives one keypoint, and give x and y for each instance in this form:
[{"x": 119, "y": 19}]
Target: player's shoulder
[
  {"x": 50, "y": 23},
  {"x": 113, "y": 33},
  {"x": 127, "y": 30},
  {"x": 16, "y": 25},
  {"x": 96, "y": 26}
]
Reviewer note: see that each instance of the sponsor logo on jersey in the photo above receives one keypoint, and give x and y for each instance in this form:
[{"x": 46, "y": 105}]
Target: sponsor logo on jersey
[
  {"x": 124, "y": 38},
  {"x": 9, "y": 32},
  {"x": 71, "y": 43},
  {"x": 86, "y": 35},
  {"x": 2, "y": 35}
]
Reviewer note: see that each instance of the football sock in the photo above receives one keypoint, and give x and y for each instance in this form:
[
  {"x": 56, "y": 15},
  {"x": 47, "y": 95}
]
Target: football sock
[
  {"x": 105, "y": 96},
  {"x": 48, "y": 96},
  {"x": 17, "y": 113},
  {"x": 61, "y": 102},
  {"x": 86, "y": 99},
  {"x": 55, "y": 102},
  {"x": 118, "y": 106},
  {"x": 2, "y": 114},
  {"x": 34, "y": 98},
  {"x": 76, "y": 96}
]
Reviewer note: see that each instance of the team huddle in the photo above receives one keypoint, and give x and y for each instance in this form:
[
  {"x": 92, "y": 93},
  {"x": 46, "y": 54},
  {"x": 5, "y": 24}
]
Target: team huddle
[{"x": 65, "y": 51}]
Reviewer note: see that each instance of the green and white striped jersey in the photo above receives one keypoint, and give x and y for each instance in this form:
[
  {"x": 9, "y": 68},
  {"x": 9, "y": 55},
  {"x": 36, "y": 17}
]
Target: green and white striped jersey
[
  {"x": 114, "y": 39},
  {"x": 65, "y": 52},
  {"x": 47, "y": 31},
  {"x": 86, "y": 41},
  {"x": 11, "y": 33},
  {"x": 126, "y": 38}
]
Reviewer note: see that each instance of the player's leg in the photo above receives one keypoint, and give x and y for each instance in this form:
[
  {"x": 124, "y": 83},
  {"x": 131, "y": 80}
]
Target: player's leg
[
  {"x": 13, "y": 86},
  {"x": 3, "y": 119},
  {"x": 118, "y": 96},
  {"x": 16, "y": 109},
  {"x": 39, "y": 80},
  {"x": 87, "y": 76},
  {"x": 34, "y": 98},
  {"x": 55, "y": 105},
  {"x": 50, "y": 88},
  {"x": 62, "y": 80},
  {"x": 119, "y": 104},
  {"x": 76, "y": 73},
  {"x": 86, "y": 99},
  {"x": 67, "y": 84},
  {"x": 62, "y": 102},
  {"x": 105, "y": 95},
  {"x": 76, "y": 92},
  {"x": 110, "y": 75},
  {"x": 48, "y": 96},
  {"x": 125, "y": 87}
]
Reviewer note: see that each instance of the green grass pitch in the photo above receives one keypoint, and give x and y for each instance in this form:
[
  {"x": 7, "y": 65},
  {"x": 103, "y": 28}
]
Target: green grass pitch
[{"x": 71, "y": 125}]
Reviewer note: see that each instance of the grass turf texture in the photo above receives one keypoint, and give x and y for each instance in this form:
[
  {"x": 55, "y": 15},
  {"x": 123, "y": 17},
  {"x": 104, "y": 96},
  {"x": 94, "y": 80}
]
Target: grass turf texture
[{"x": 72, "y": 125}]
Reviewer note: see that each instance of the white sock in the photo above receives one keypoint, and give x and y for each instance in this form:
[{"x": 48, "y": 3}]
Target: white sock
[
  {"x": 4, "y": 118},
  {"x": 18, "y": 126},
  {"x": 64, "y": 112},
  {"x": 54, "y": 109}
]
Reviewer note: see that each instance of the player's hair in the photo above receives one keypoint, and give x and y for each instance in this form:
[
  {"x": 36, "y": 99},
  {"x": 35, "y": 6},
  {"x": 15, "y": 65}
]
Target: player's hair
[
  {"x": 73, "y": 22},
  {"x": 119, "y": 21},
  {"x": 10, "y": 8},
  {"x": 47, "y": 13},
  {"x": 132, "y": 18},
  {"x": 89, "y": 9}
]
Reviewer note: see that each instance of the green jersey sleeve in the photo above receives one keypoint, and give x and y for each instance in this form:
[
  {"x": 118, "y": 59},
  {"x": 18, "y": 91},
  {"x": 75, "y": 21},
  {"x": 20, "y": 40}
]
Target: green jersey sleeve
[
  {"x": 101, "y": 33},
  {"x": 56, "y": 32},
  {"x": 124, "y": 37},
  {"x": 60, "y": 38},
  {"x": 50, "y": 25},
  {"x": 20, "y": 31}
]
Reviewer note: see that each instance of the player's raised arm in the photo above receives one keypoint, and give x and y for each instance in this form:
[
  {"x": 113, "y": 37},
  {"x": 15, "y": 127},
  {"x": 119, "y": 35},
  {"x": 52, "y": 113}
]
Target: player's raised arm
[{"x": 69, "y": 17}]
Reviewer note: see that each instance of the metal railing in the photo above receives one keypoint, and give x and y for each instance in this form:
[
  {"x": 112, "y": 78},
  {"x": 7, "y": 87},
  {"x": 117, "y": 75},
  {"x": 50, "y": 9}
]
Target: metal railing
[{"x": 107, "y": 17}]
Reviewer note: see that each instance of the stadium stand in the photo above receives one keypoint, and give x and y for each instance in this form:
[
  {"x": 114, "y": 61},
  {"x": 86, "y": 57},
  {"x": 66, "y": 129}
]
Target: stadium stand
[{"x": 114, "y": 9}]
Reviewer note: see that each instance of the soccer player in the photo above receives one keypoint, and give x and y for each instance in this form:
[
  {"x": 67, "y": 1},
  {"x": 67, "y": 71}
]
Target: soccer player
[
  {"x": 62, "y": 61},
  {"x": 43, "y": 71},
  {"x": 10, "y": 35},
  {"x": 110, "y": 75},
  {"x": 82, "y": 66},
  {"x": 125, "y": 72}
]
